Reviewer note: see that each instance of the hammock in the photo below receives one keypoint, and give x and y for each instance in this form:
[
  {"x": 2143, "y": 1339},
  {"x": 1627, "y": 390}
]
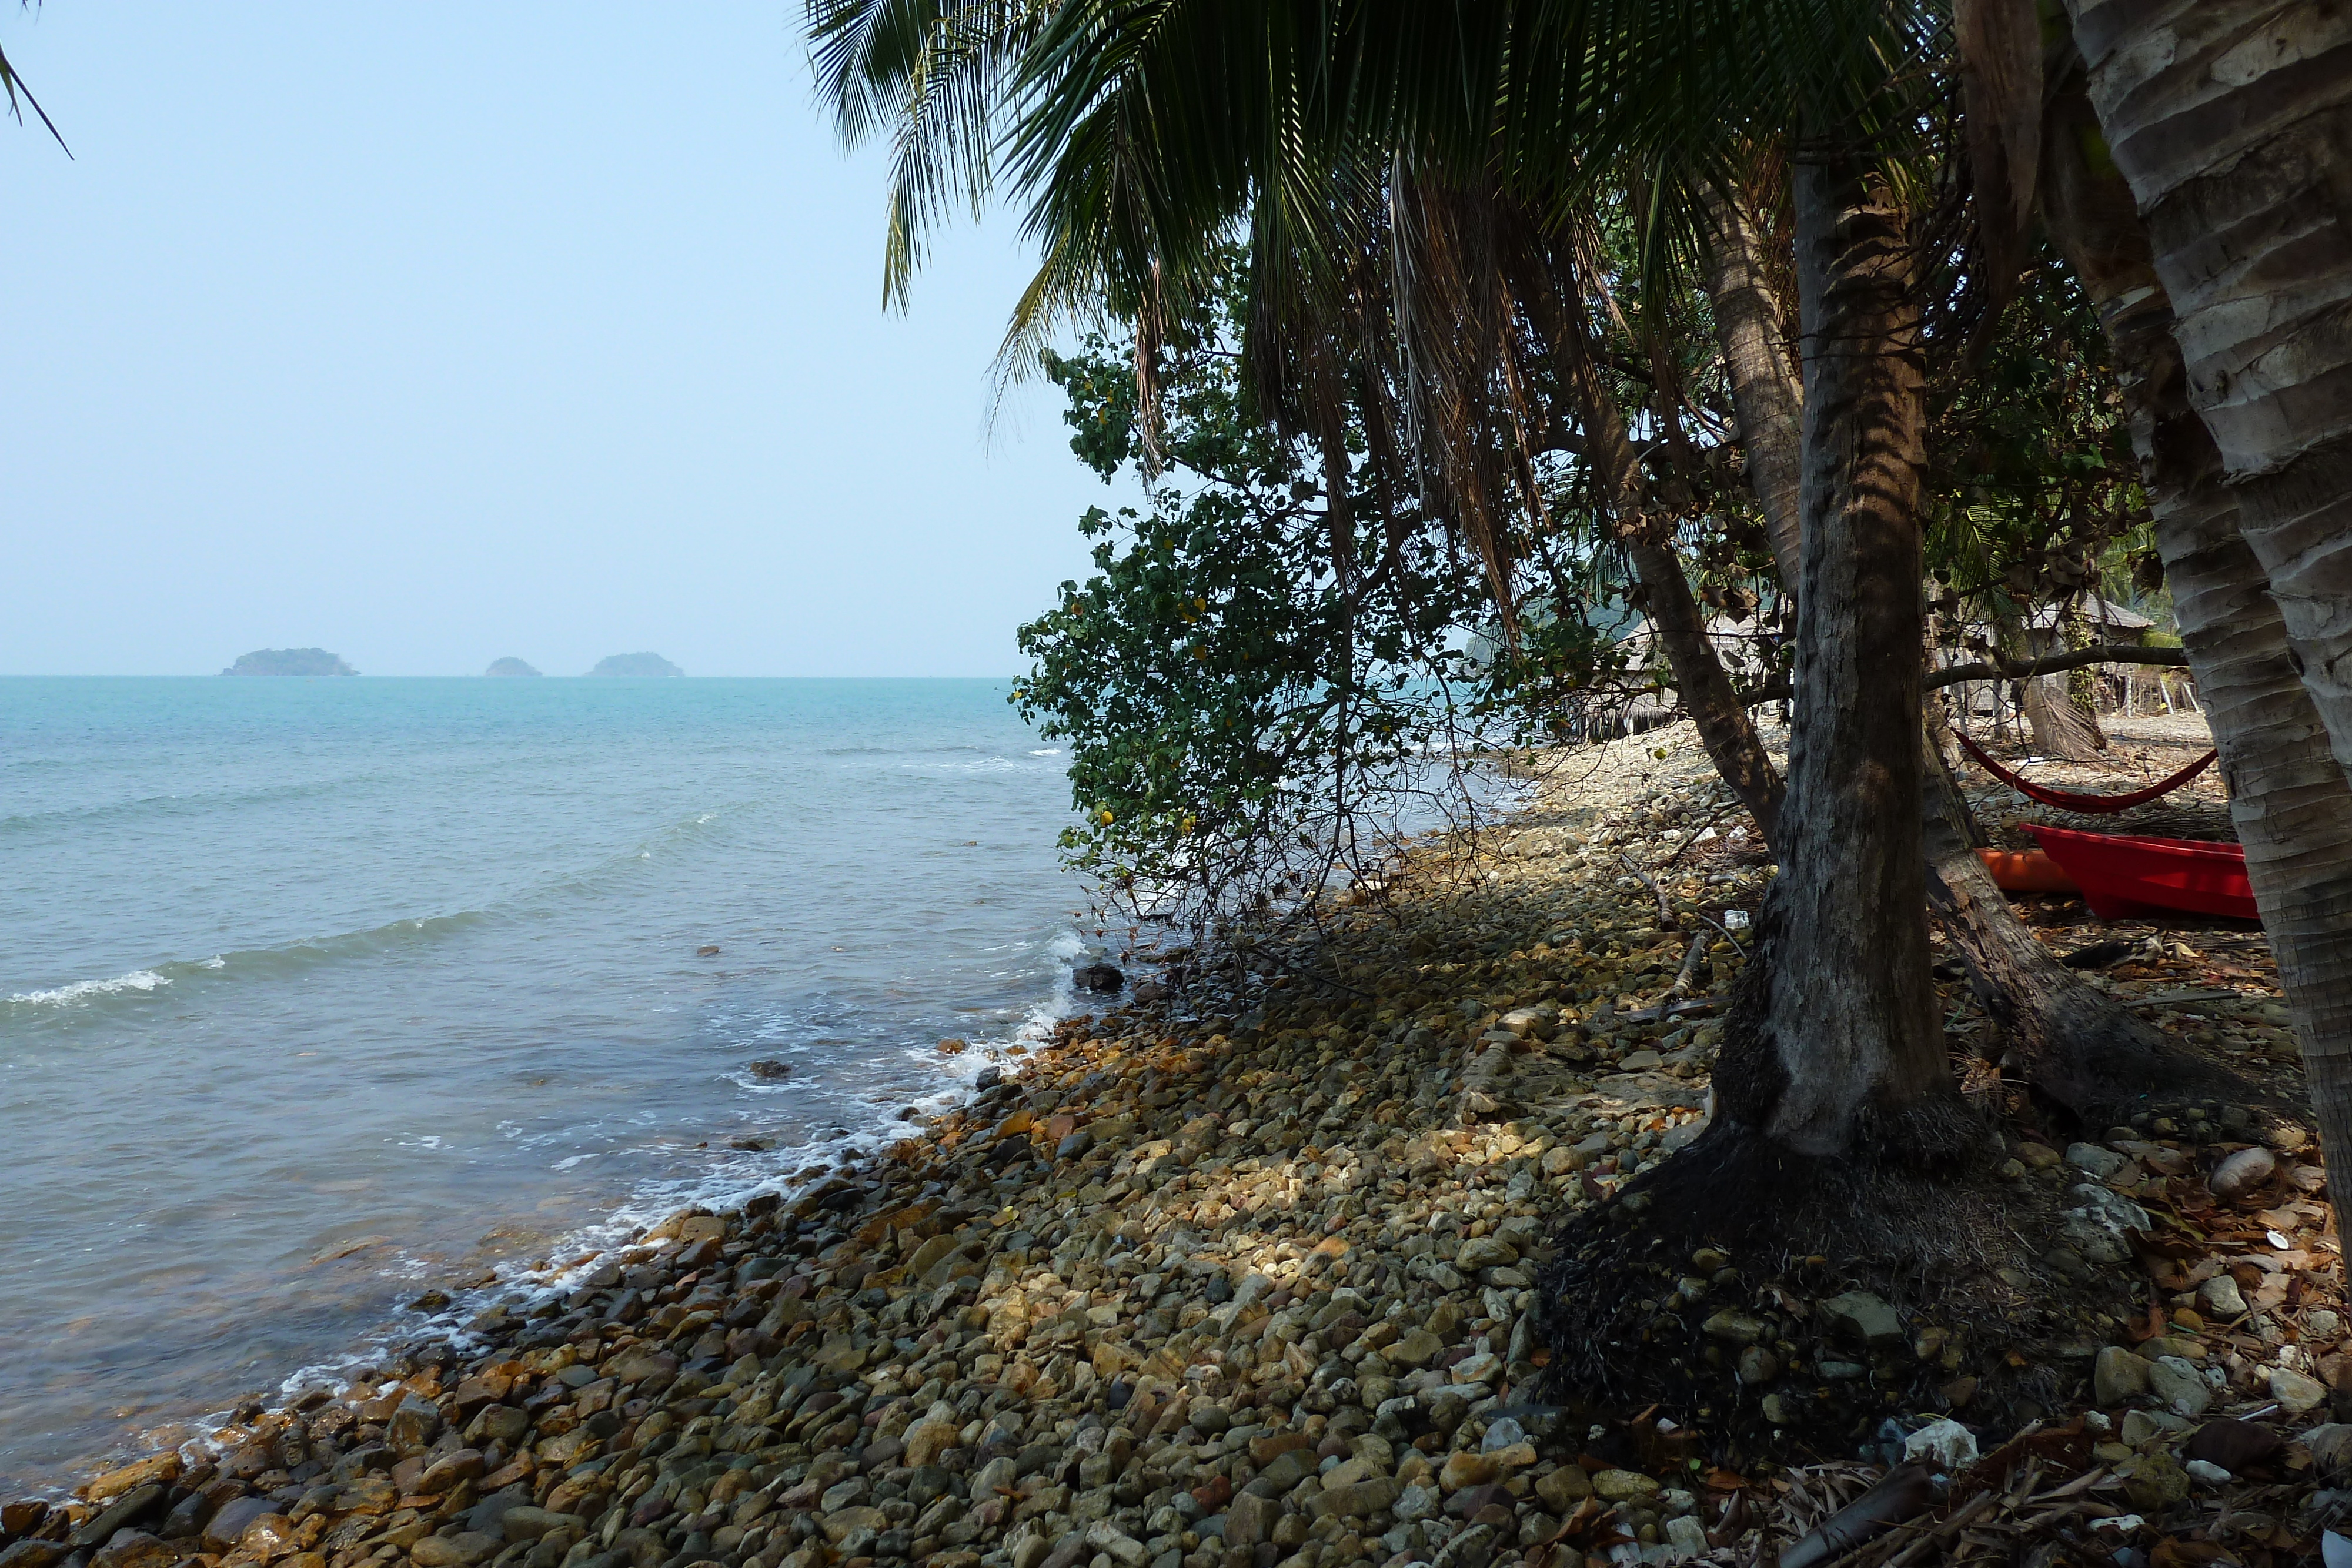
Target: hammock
[{"x": 2068, "y": 801}]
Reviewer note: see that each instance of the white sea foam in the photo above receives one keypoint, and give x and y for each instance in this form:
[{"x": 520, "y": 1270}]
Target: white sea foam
[{"x": 83, "y": 990}]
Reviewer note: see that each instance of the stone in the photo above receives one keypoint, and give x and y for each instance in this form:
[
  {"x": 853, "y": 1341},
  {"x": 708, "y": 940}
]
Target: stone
[
  {"x": 1687, "y": 1535},
  {"x": 136, "y": 1549},
  {"x": 1733, "y": 1327},
  {"x": 2117, "y": 1377},
  {"x": 125, "y": 1510},
  {"x": 1485, "y": 1253},
  {"x": 2179, "y": 1386},
  {"x": 164, "y": 1466},
  {"x": 2154, "y": 1482},
  {"x": 1624, "y": 1486},
  {"x": 413, "y": 1425},
  {"x": 1286, "y": 1471},
  {"x": 33, "y": 1554},
  {"x": 1466, "y": 1470},
  {"x": 2233, "y": 1445},
  {"x": 464, "y": 1465},
  {"x": 528, "y": 1523},
  {"x": 1858, "y": 1315},
  {"x": 1250, "y": 1519},
  {"x": 841, "y": 1525},
  {"x": 1414, "y": 1350},
  {"x": 227, "y": 1525},
  {"x": 931, "y": 1252},
  {"x": 2220, "y": 1298},
  {"x": 2295, "y": 1392},
  {"x": 1358, "y": 1498},
  {"x": 926, "y": 1440},
  {"x": 462, "y": 1549},
  {"x": 2141, "y": 1427},
  {"x": 2094, "y": 1160},
  {"x": 1563, "y": 1489},
  {"x": 1417, "y": 1501},
  {"x": 1757, "y": 1365},
  {"x": 2241, "y": 1173},
  {"x": 2099, "y": 1222}
]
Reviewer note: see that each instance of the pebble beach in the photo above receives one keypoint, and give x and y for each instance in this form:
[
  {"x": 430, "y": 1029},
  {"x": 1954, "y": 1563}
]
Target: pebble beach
[{"x": 1246, "y": 1276}]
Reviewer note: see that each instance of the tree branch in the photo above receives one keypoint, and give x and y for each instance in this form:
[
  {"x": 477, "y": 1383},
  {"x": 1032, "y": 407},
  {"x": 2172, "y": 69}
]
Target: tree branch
[
  {"x": 2049, "y": 664},
  {"x": 1776, "y": 690}
]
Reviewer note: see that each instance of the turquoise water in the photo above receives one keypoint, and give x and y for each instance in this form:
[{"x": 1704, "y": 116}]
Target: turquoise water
[{"x": 314, "y": 992}]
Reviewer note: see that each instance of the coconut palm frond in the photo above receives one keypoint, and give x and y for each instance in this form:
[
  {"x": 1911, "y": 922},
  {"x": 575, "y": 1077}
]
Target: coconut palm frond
[{"x": 19, "y": 97}]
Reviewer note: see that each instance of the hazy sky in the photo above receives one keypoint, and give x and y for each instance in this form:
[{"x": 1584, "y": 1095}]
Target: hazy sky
[{"x": 431, "y": 334}]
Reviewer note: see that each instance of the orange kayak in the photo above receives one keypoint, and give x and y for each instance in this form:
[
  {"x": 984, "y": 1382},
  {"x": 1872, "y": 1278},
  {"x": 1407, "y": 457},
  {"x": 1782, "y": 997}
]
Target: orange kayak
[{"x": 2026, "y": 871}]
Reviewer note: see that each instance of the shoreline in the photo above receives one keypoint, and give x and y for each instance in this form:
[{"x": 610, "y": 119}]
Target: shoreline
[{"x": 1254, "y": 1291}]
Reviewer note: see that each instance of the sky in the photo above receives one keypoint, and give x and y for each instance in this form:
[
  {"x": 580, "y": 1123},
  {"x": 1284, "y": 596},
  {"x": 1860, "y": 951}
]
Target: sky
[{"x": 432, "y": 334}]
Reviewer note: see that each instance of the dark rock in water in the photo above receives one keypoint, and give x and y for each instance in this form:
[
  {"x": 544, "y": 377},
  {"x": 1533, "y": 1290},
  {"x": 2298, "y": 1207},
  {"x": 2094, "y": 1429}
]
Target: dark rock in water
[
  {"x": 510, "y": 667},
  {"x": 1150, "y": 991},
  {"x": 1104, "y": 978},
  {"x": 769, "y": 1070},
  {"x": 289, "y": 662},
  {"x": 708, "y": 950},
  {"x": 637, "y": 666},
  {"x": 988, "y": 1078}
]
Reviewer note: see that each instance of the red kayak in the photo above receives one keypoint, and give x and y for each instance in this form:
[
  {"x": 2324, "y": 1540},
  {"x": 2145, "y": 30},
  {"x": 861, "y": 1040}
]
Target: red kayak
[{"x": 2122, "y": 876}]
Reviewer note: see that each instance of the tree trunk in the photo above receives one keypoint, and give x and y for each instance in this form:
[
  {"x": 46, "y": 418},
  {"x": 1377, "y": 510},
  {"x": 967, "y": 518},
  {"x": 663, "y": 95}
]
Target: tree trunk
[
  {"x": 1837, "y": 1043},
  {"x": 2071, "y": 1041},
  {"x": 2288, "y": 795},
  {"x": 1704, "y": 688},
  {"x": 1765, "y": 393},
  {"x": 2230, "y": 121},
  {"x": 2059, "y": 728}
]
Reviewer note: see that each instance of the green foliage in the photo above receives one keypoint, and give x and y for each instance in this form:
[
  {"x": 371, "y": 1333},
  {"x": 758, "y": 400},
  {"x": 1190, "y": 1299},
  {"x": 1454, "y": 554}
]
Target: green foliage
[
  {"x": 1247, "y": 710},
  {"x": 2033, "y": 493}
]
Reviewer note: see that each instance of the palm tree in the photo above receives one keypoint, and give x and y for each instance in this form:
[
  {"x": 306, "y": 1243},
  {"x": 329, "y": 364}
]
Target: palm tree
[
  {"x": 1144, "y": 131},
  {"x": 2288, "y": 795},
  {"x": 2230, "y": 119}
]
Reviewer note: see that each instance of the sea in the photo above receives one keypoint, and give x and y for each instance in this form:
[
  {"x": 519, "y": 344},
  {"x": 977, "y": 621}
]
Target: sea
[{"x": 319, "y": 993}]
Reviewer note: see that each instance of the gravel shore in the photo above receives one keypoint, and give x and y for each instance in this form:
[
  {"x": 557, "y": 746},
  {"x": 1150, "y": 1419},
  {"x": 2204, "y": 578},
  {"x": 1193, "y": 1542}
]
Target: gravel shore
[{"x": 1253, "y": 1287}]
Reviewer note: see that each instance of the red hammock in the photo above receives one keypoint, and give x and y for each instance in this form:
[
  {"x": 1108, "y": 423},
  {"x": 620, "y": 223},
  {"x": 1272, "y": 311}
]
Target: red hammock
[{"x": 2098, "y": 805}]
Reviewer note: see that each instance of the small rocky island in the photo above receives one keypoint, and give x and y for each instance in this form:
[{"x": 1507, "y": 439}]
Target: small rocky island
[
  {"x": 509, "y": 667},
  {"x": 635, "y": 664},
  {"x": 289, "y": 662}
]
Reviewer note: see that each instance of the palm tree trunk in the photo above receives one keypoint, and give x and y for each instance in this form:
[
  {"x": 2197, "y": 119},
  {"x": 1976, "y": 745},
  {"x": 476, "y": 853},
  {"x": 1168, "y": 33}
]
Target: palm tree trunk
[
  {"x": 1837, "y": 1043},
  {"x": 2075, "y": 1043},
  {"x": 2288, "y": 794},
  {"x": 2230, "y": 121},
  {"x": 1765, "y": 393}
]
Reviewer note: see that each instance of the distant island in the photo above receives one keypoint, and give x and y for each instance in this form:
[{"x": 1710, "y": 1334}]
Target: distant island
[
  {"x": 509, "y": 667},
  {"x": 639, "y": 664},
  {"x": 289, "y": 662}
]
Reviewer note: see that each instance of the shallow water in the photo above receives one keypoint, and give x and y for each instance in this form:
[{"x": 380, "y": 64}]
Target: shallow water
[{"x": 313, "y": 992}]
